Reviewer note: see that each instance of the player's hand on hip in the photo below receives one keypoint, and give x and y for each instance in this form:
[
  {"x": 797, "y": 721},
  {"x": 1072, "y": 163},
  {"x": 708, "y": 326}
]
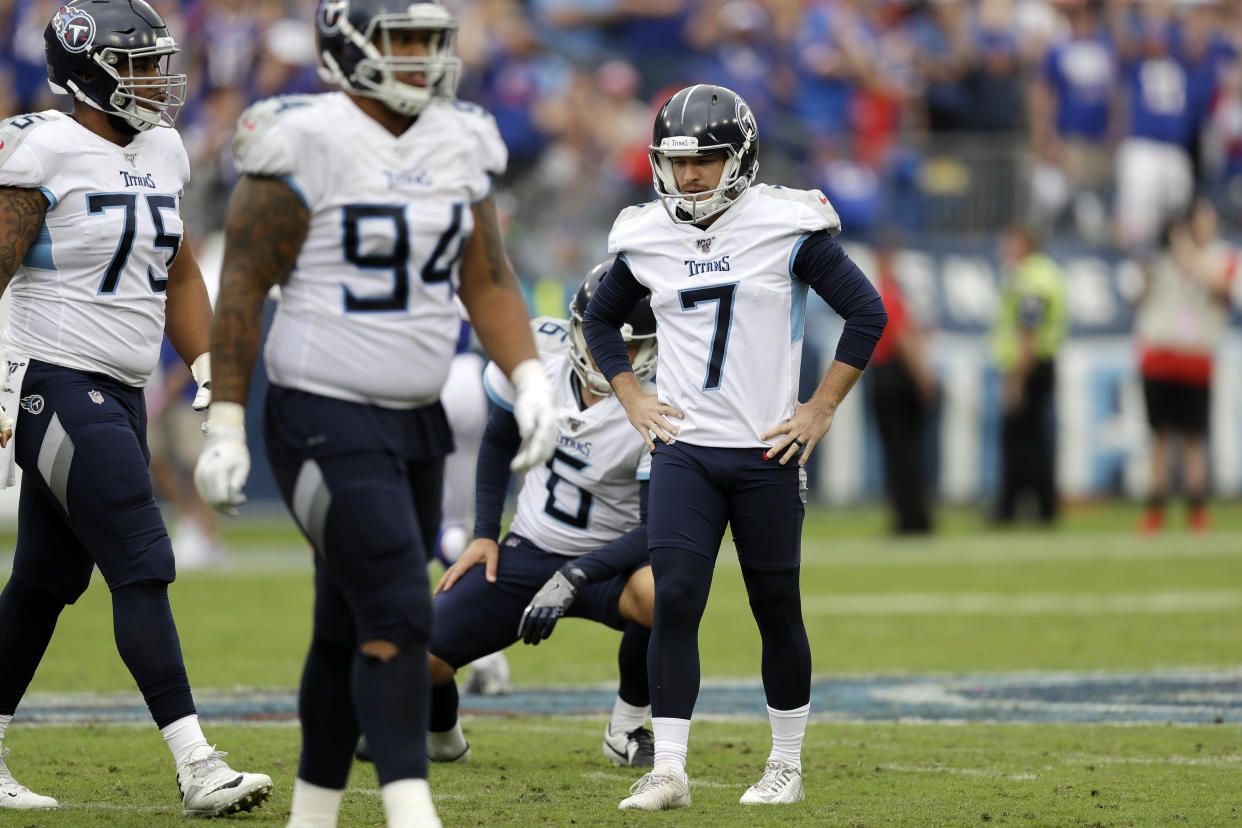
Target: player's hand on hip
[
  {"x": 534, "y": 408},
  {"x": 650, "y": 417},
  {"x": 201, "y": 370},
  {"x": 479, "y": 551},
  {"x": 800, "y": 434},
  {"x": 224, "y": 464},
  {"x": 550, "y": 603}
]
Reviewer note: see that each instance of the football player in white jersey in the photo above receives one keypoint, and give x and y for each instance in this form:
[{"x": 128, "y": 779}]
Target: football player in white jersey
[
  {"x": 93, "y": 256},
  {"x": 368, "y": 206},
  {"x": 577, "y": 545},
  {"x": 728, "y": 264}
]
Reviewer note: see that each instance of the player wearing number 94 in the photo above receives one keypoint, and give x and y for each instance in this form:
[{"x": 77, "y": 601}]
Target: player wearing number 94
[
  {"x": 728, "y": 264},
  {"x": 92, "y": 252},
  {"x": 368, "y": 206}
]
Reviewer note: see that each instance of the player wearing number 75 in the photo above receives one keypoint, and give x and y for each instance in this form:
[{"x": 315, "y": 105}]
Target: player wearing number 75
[
  {"x": 92, "y": 252},
  {"x": 728, "y": 264},
  {"x": 369, "y": 207}
]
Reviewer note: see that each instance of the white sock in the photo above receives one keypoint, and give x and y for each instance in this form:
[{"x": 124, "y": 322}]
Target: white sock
[
  {"x": 672, "y": 737},
  {"x": 447, "y": 745},
  {"x": 407, "y": 804},
  {"x": 4, "y": 724},
  {"x": 627, "y": 717},
  {"x": 182, "y": 736},
  {"x": 313, "y": 806},
  {"x": 788, "y": 730}
]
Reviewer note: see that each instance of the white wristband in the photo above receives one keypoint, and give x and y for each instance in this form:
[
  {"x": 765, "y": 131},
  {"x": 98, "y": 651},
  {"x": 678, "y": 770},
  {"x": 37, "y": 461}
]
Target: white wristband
[
  {"x": 529, "y": 370},
  {"x": 200, "y": 368},
  {"x": 227, "y": 415}
]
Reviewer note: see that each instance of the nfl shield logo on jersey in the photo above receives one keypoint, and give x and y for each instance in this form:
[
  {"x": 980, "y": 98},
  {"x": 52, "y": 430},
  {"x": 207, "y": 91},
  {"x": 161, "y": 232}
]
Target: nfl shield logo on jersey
[
  {"x": 95, "y": 396},
  {"x": 74, "y": 27},
  {"x": 574, "y": 424},
  {"x": 704, "y": 245}
]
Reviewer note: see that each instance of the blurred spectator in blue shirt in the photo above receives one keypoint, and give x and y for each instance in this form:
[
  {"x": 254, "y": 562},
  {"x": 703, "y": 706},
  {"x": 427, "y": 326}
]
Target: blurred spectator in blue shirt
[
  {"x": 1072, "y": 123},
  {"x": 1222, "y": 143},
  {"x": 827, "y": 66},
  {"x": 1154, "y": 176},
  {"x": 942, "y": 37},
  {"x": 520, "y": 80}
]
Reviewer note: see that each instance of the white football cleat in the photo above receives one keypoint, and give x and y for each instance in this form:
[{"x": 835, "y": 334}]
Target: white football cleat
[
  {"x": 661, "y": 790},
  {"x": 489, "y": 676},
  {"x": 15, "y": 796},
  {"x": 209, "y": 787},
  {"x": 635, "y": 749},
  {"x": 781, "y": 784},
  {"x": 438, "y": 754}
]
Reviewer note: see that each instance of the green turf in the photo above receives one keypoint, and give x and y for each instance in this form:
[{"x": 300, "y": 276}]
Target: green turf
[
  {"x": 550, "y": 771},
  {"x": 1090, "y": 595}
]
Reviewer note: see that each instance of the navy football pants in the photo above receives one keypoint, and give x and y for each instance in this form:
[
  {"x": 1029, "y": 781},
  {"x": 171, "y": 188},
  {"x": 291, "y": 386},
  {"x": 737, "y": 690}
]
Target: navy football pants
[{"x": 695, "y": 492}]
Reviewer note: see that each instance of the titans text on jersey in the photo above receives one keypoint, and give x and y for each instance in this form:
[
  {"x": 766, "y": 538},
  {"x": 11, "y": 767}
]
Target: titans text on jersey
[
  {"x": 587, "y": 494},
  {"x": 373, "y": 285},
  {"x": 727, "y": 298},
  {"x": 102, "y": 197}
]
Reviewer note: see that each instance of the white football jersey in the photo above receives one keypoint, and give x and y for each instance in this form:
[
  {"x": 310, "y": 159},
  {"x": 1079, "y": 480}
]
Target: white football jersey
[
  {"x": 368, "y": 313},
  {"x": 89, "y": 294},
  {"x": 728, "y": 311},
  {"x": 587, "y": 495}
]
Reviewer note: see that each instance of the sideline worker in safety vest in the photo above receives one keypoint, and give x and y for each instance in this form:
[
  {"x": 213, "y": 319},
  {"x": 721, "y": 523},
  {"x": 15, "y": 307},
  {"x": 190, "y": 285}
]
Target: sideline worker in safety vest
[{"x": 1030, "y": 326}]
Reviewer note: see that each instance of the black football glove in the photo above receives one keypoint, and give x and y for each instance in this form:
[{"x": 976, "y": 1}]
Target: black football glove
[{"x": 550, "y": 603}]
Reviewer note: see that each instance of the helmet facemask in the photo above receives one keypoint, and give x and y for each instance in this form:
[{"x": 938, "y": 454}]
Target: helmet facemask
[
  {"x": 145, "y": 101},
  {"x": 142, "y": 101},
  {"x": 376, "y": 74},
  {"x": 643, "y": 363},
  {"x": 692, "y": 208}
]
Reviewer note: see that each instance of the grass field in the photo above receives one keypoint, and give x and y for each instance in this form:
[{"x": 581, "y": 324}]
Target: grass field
[{"x": 1089, "y": 597}]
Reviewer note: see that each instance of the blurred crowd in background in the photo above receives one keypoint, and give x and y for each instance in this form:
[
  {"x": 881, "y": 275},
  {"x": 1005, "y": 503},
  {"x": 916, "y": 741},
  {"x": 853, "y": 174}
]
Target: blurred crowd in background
[
  {"x": 1092, "y": 118},
  {"x": 935, "y": 126}
]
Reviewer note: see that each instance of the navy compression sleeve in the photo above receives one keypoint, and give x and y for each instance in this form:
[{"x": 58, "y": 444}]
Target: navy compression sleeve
[
  {"x": 491, "y": 481},
  {"x": 623, "y": 554},
  {"x": 823, "y": 264},
  {"x": 617, "y": 295}
]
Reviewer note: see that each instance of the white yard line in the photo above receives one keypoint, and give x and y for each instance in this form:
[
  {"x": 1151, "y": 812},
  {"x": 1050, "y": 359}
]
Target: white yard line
[
  {"x": 958, "y": 771},
  {"x": 1026, "y": 603},
  {"x": 1206, "y": 761}
]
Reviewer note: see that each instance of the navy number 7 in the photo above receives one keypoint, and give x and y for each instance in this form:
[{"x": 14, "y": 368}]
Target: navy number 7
[{"x": 722, "y": 295}]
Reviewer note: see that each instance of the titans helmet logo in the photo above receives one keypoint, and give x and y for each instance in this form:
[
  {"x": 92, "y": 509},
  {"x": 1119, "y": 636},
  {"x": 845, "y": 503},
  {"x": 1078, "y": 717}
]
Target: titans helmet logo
[
  {"x": 74, "y": 27},
  {"x": 330, "y": 14},
  {"x": 746, "y": 120}
]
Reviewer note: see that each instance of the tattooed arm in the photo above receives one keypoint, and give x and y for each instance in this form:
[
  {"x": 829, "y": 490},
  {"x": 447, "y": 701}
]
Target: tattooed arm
[
  {"x": 187, "y": 309},
  {"x": 490, "y": 291},
  {"x": 21, "y": 216},
  {"x": 264, "y": 230}
]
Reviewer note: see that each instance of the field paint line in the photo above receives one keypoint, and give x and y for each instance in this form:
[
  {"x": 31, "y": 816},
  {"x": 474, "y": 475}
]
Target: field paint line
[
  {"x": 1020, "y": 777},
  {"x": 1007, "y": 549},
  {"x": 1204, "y": 761},
  {"x": 112, "y": 806},
  {"x": 1029, "y": 603},
  {"x": 939, "y": 695},
  {"x": 1200, "y": 696},
  {"x": 376, "y": 793},
  {"x": 694, "y": 783}
]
